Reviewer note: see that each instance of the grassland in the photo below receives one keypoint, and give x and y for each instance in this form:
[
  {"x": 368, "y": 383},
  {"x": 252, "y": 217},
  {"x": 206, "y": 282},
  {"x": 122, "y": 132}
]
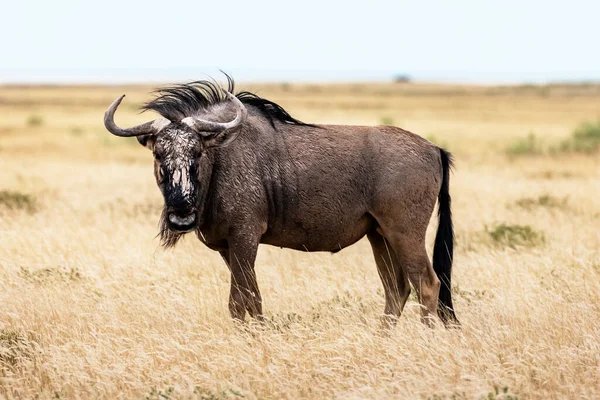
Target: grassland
[{"x": 92, "y": 307}]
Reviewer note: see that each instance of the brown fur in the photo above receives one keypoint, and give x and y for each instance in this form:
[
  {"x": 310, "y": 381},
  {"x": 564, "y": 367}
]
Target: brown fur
[{"x": 323, "y": 189}]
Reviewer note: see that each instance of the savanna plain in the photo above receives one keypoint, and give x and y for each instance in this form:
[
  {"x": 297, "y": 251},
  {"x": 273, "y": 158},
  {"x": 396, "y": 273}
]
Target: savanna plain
[{"x": 92, "y": 307}]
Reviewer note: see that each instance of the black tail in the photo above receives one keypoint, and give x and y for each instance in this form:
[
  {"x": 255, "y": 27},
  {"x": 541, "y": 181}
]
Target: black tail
[{"x": 444, "y": 242}]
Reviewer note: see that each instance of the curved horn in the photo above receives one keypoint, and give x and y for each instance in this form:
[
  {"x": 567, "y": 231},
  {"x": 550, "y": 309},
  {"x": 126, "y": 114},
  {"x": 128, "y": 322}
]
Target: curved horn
[
  {"x": 201, "y": 125},
  {"x": 143, "y": 129}
]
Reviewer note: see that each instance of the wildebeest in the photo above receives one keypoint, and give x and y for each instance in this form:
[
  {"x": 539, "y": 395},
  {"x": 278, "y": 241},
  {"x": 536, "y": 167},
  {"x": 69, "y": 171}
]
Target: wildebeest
[{"x": 239, "y": 171}]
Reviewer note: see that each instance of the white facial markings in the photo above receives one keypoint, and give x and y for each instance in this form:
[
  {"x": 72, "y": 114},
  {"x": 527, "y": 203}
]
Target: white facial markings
[
  {"x": 176, "y": 177},
  {"x": 179, "y": 149},
  {"x": 186, "y": 183},
  {"x": 181, "y": 178}
]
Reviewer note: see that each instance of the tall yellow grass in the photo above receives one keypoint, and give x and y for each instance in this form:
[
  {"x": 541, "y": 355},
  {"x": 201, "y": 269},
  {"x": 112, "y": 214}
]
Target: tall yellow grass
[{"x": 91, "y": 307}]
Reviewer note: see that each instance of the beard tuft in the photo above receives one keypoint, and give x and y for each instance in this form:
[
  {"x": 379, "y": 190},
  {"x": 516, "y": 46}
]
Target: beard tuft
[{"x": 168, "y": 238}]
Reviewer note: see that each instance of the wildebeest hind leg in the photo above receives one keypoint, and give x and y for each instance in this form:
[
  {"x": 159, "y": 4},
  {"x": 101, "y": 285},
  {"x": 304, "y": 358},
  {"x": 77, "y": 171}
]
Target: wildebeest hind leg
[
  {"x": 395, "y": 281},
  {"x": 413, "y": 257}
]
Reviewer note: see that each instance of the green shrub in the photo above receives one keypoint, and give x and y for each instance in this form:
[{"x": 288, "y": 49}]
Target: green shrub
[
  {"x": 515, "y": 235},
  {"x": 387, "y": 121},
  {"x": 497, "y": 394},
  {"x": 77, "y": 131},
  {"x": 15, "y": 347},
  {"x": 199, "y": 394},
  {"x": 525, "y": 146},
  {"x": 47, "y": 275},
  {"x": 435, "y": 140},
  {"x": 585, "y": 139},
  {"x": 160, "y": 395},
  {"x": 35, "y": 121},
  {"x": 17, "y": 201},
  {"x": 546, "y": 201},
  {"x": 500, "y": 394}
]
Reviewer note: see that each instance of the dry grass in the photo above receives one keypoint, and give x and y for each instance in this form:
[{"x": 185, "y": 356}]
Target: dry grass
[{"x": 90, "y": 307}]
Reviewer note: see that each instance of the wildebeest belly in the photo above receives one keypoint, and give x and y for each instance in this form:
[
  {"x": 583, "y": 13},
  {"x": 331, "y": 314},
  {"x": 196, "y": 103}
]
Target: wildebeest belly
[{"x": 319, "y": 235}]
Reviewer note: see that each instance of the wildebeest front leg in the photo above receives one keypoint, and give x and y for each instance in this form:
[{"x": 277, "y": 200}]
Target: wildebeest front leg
[{"x": 244, "y": 294}]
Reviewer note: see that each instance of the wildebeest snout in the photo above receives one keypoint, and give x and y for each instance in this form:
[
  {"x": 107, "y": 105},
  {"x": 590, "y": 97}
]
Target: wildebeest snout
[{"x": 182, "y": 220}]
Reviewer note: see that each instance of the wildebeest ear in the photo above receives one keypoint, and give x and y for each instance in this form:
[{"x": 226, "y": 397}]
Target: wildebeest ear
[
  {"x": 147, "y": 141},
  {"x": 221, "y": 139}
]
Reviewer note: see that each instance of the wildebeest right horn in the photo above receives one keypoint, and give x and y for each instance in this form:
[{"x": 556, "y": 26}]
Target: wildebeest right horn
[
  {"x": 202, "y": 125},
  {"x": 148, "y": 128}
]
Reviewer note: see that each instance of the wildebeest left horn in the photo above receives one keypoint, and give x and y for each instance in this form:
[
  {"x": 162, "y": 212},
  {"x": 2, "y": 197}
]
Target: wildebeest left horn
[
  {"x": 210, "y": 126},
  {"x": 148, "y": 128}
]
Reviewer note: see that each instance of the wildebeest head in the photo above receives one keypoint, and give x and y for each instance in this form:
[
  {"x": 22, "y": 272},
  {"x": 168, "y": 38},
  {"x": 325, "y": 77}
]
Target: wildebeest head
[{"x": 178, "y": 144}]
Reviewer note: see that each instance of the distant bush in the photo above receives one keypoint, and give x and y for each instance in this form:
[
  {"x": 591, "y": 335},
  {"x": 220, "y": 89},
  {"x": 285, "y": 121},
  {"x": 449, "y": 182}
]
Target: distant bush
[
  {"x": 17, "y": 201},
  {"x": 35, "y": 120},
  {"x": 160, "y": 395},
  {"x": 435, "y": 140},
  {"x": 199, "y": 394},
  {"x": 545, "y": 200},
  {"x": 77, "y": 131},
  {"x": 387, "y": 121},
  {"x": 585, "y": 139},
  {"x": 497, "y": 394},
  {"x": 48, "y": 275},
  {"x": 550, "y": 174},
  {"x": 15, "y": 347},
  {"x": 402, "y": 78},
  {"x": 500, "y": 394},
  {"x": 515, "y": 235},
  {"x": 525, "y": 146}
]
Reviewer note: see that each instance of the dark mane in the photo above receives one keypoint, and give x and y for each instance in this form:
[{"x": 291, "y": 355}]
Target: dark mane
[{"x": 180, "y": 101}]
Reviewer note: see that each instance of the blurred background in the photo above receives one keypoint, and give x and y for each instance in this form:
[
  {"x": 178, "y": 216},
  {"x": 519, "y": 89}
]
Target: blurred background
[{"x": 91, "y": 307}]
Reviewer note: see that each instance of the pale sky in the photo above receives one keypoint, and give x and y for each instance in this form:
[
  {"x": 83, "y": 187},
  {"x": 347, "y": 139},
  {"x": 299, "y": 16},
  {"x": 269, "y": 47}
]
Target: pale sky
[{"x": 65, "y": 41}]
